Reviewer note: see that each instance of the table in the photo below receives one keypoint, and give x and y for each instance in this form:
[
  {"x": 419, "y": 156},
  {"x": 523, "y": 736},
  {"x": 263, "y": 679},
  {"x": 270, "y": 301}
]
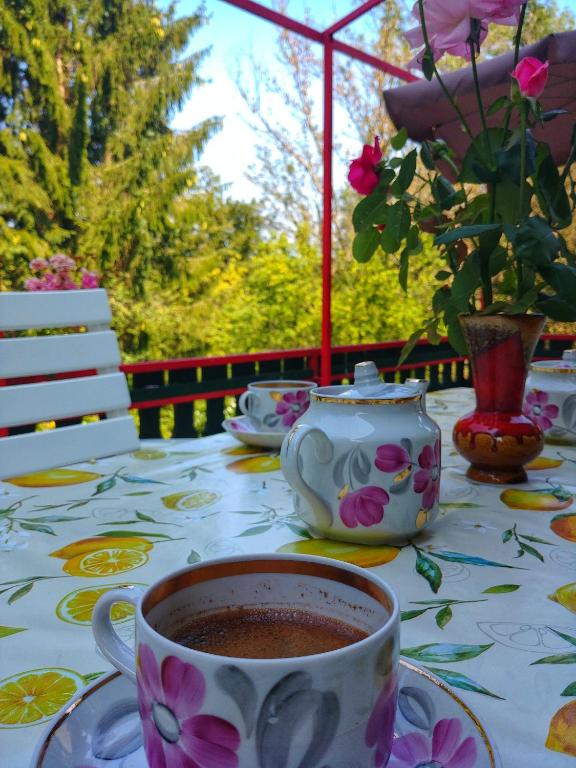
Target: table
[{"x": 488, "y": 594}]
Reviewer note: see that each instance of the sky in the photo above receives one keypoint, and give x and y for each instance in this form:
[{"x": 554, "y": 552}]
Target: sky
[{"x": 233, "y": 35}]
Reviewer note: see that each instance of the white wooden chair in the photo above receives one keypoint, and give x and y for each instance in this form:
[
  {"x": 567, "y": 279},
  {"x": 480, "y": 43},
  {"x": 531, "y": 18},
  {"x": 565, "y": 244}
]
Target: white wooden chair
[{"x": 106, "y": 392}]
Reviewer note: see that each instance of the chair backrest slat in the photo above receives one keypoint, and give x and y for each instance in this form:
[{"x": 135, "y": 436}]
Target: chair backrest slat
[
  {"x": 45, "y": 401},
  {"x": 53, "y": 309},
  {"x": 86, "y": 345},
  {"x": 22, "y": 454},
  {"x": 33, "y": 355}
]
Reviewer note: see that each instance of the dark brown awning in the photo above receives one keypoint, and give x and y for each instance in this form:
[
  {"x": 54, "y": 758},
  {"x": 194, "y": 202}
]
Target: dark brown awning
[{"x": 425, "y": 112}]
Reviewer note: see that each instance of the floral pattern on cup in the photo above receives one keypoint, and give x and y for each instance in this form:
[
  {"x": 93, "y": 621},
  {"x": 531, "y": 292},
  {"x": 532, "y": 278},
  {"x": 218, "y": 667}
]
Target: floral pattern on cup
[
  {"x": 381, "y": 724},
  {"x": 398, "y": 458},
  {"x": 537, "y": 408},
  {"x": 292, "y": 406},
  {"x": 170, "y": 697},
  {"x": 444, "y": 750},
  {"x": 364, "y": 507}
]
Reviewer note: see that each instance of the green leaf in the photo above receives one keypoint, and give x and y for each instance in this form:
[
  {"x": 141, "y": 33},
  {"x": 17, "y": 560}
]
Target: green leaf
[
  {"x": 556, "y": 308},
  {"x": 501, "y": 589},
  {"x": 568, "y": 638},
  {"x": 437, "y": 602},
  {"x": 443, "y": 616},
  {"x": 193, "y": 557},
  {"x": 562, "y": 278},
  {"x": 531, "y": 551},
  {"x": 405, "y": 174},
  {"x": 365, "y": 244},
  {"x": 570, "y": 690},
  {"x": 426, "y": 156},
  {"x": 137, "y": 493},
  {"x": 372, "y": 209},
  {"x": 429, "y": 570},
  {"x": 54, "y": 519},
  {"x": 20, "y": 592},
  {"x": 400, "y": 139},
  {"x": 104, "y": 486},
  {"x": 92, "y": 676},
  {"x": 550, "y": 190},
  {"x": 28, "y": 526},
  {"x": 457, "y": 680},
  {"x": 507, "y": 535},
  {"x": 497, "y": 105},
  {"x": 410, "y": 344},
  {"x": 458, "y": 557},
  {"x": 562, "y": 658},
  {"x": 466, "y": 282},
  {"x": 427, "y": 65},
  {"x": 299, "y": 531},
  {"x": 459, "y": 505},
  {"x": 463, "y": 232},
  {"x": 397, "y": 227},
  {"x": 256, "y": 530},
  {"x": 7, "y": 631},
  {"x": 442, "y": 275},
  {"x": 145, "y": 518},
  {"x": 443, "y": 652},
  {"x": 407, "y": 615},
  {"x": 537, "y": 540},
  {"x": 535, "y": 242}
]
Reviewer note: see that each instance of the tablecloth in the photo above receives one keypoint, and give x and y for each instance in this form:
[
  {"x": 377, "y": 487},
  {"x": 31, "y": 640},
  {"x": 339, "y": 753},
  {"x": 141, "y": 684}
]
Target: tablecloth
[{"x": 488, "y": 593}]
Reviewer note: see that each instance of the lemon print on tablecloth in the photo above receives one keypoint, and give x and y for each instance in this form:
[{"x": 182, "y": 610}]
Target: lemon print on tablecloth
[
  {"x": 103, "y": 555},
  {"x": 542, "y": 500},
  {"x": 244, "y": 450},
  {"x": 565, "y": 596},
  {"x": 187, "y": 500},
  {"x": 149, "y": 454},
  {"x": 544, "y": 462},
  {"x": 357, "y": 554},
  {"x": 33, "y": 697},
  {"x": 564, "y": 526},
  {"x": 53, "y": 478},
  {"x": 77, "y": 607},
  {"x": 255, "y": 464},
  {"x": 562, "y": 730}
]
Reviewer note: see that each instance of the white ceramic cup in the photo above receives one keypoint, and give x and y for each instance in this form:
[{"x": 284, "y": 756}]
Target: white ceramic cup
[
  {"x": 334, "y": 708},
  {"x": 274, "y": 406}
]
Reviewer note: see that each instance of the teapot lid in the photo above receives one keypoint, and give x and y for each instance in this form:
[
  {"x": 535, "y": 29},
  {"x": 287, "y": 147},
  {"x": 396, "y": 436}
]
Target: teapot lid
[
  {"x": 564, "y": 366},
  {"x": 367, "y": 387},
  {"x": 570, "y": 355}
]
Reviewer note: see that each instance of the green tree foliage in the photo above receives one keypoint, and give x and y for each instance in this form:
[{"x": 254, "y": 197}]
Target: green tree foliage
[{"x": 88, "y": 160}]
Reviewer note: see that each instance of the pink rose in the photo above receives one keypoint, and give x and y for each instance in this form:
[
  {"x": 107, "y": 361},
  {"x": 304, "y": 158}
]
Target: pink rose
[
  {"x": 62, "y": 263},
  {"x": 37, "y": 265},
  {"x": 449, "y": 24},
  {"x": 89, "y": 279},
  {"x": 33, "y": 284},
  {"x": 531, "y": 75},
  {"x": 362, "y": 174},
  {"x": 364, "y": 507}
]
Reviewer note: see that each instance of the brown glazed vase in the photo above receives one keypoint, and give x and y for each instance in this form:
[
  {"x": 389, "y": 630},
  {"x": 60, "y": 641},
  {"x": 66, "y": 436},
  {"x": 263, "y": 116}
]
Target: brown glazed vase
[{"x": 496, "y": 438}]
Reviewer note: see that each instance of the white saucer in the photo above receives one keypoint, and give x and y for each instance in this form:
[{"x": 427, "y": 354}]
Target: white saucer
[
  {"x": 244, "y": 429},
  {"x": 100, "y": 727}
]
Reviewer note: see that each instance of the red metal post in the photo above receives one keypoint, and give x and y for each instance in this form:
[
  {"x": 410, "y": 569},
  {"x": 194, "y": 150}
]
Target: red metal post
[{"x": 326, "y": 343}]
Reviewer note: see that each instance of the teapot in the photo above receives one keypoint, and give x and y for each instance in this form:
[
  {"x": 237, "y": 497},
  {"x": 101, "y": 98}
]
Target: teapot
[
  {"x": 550, "y": 398},
  {"x": 364, "y": 461}
]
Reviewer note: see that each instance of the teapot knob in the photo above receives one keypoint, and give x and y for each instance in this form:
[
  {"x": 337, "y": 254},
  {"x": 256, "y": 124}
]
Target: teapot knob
[
  {"x": 366, "y": 376},
  {"x": 570, "y": 355}
]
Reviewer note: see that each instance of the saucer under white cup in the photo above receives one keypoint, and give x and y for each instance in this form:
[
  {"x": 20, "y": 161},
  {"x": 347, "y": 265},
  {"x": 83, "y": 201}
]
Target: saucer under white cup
[{"x": 245, "y": 430}]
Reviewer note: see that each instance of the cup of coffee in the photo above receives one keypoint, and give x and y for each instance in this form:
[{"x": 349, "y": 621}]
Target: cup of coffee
[
  {"x": 274, "y": 406},
  {"x": 261, "y": 661}
]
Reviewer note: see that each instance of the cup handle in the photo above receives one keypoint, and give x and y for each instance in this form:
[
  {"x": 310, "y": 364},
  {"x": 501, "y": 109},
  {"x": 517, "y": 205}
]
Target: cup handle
[
  {"x": 107, "y": 639},
  {"x": 289, "y": 458},
  {"x": 245, "y": 403}
]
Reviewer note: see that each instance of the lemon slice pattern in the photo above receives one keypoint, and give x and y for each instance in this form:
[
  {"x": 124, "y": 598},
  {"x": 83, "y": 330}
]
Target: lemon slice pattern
[
  {"x": 32, "y": 697},
  {"x": 77, "y": 607}
]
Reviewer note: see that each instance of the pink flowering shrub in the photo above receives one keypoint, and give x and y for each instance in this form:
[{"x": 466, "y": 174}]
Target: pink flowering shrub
[{"x": 59, "y": 273}]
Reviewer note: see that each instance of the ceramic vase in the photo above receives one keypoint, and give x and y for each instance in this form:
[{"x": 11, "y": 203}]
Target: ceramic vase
[{"x": 497, "y": 438}]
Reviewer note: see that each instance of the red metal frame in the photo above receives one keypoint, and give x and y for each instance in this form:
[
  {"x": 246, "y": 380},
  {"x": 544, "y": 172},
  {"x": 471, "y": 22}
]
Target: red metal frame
[{"x": 330, "y": 44}]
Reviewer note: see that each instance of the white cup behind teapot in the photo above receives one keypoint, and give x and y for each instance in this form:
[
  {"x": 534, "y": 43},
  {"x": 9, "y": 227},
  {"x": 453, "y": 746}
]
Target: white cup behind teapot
[{"x": 364, "y": 461}]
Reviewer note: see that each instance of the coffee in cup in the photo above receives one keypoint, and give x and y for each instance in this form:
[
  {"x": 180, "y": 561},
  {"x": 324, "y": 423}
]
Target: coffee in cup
[
  {"x": 274, "y": 406},
  {"x": 237, "y": 657}
]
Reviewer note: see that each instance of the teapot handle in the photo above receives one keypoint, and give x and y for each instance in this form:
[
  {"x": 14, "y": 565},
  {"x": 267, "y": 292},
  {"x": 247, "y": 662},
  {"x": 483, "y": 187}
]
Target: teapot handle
[{"x": 289, "y": 457}]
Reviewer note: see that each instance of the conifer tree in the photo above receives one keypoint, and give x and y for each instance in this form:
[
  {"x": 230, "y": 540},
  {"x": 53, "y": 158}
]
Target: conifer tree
[{"x": 88, "y": 161}]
